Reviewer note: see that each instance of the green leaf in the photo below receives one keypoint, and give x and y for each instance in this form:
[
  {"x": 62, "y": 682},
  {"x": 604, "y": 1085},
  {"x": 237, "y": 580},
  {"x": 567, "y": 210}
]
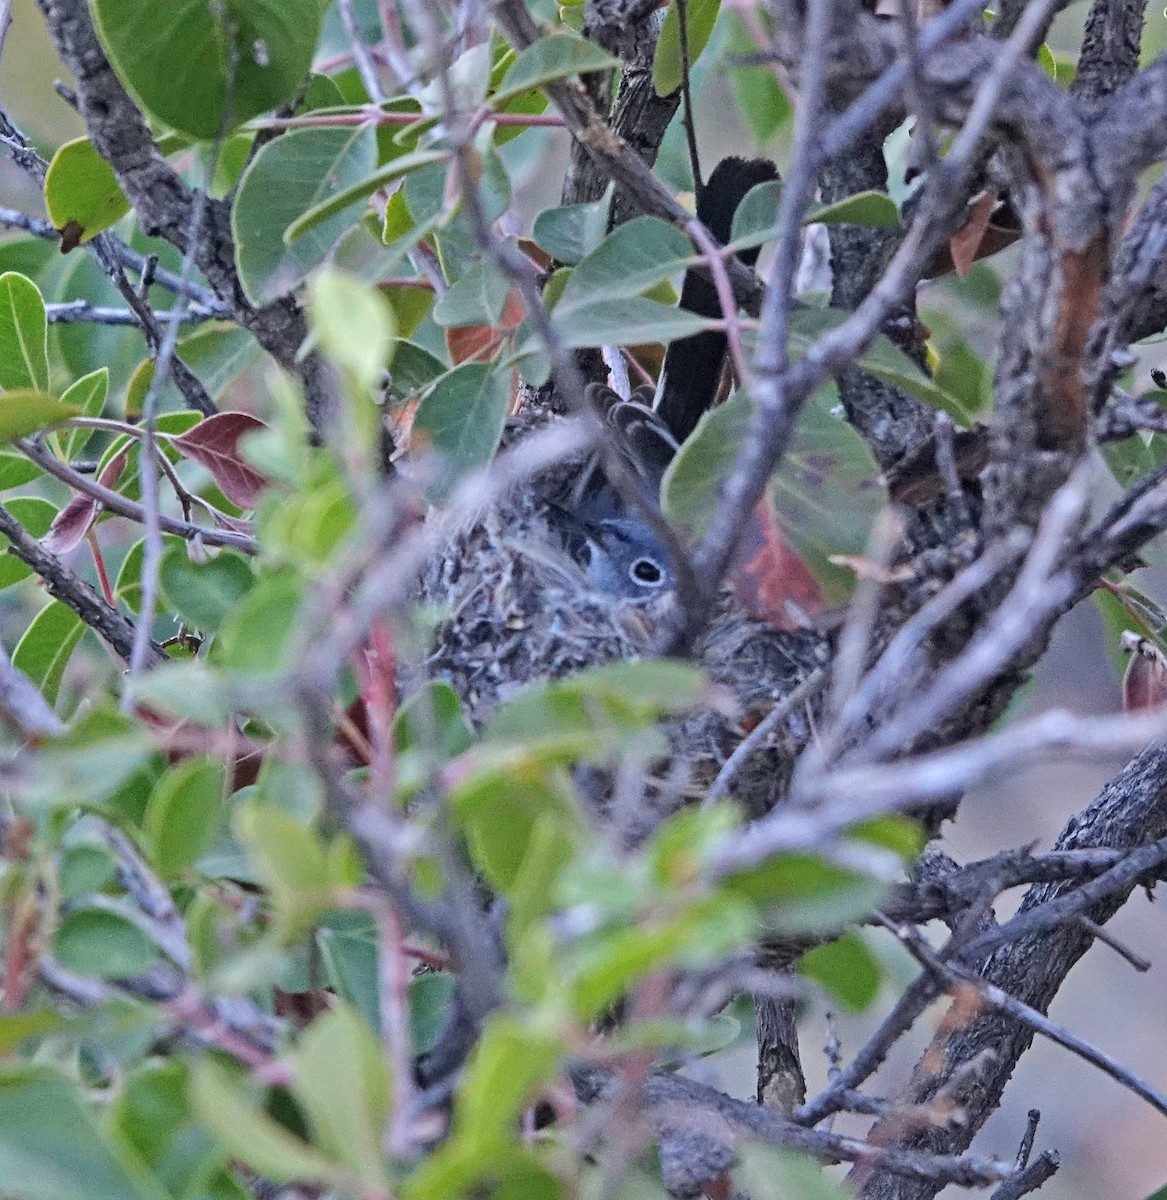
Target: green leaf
[
  {"x": 352, "y": 323},
  {"x": 189, "y": 691},
  {"x": 766, "y": 1173},
  {"x": 430, "y": 997},
  {"x": 15, "y": 469},
  {"x": 361, "y": 190},
  {"x": 348, "y": 955},
  {"x": 88, "y": 395},
  {"x": 219, "y": 352},
  {"x": 499, "y": 812},
  {"x": 151, "y": 1111},
  {"x": 882, "y": 358},
  {"x": 128, "y": 585},
  {"x": 1134, "y": 457},
  {"x": 257, "y": 635},
  {"x": 826, "y": 493},
  {"x": 634, "y": 257},
  {"x": 24, "y": 358},
  {"x": 248, "y": 1134},
  {"x": 433, "y": 720},
  {"x": 555, "y": 56},
  {"x": 85, "y": 869},
  {"x": 89, "y": 762},
  {"x": 761, "y": 101},
  {"x": 287, "y": 177},
  {"x": 203, "y": 594},
  {"x": 589, "y": 708},
  {"x": 507, "y": 1063},
  {"x": 95, "y": 941},
  {"x": 201, "y": 66},
  {"x": 16, "y": 1028},
  {"x": 310, "y": 526},
  {"x": 701, "y": 16},
  {"x": 290, "y": 858},
  {"x": 756, "y": 219},
  {"x": 958, "y": 369},
  {"x": 24, "y": 411},
  {"x": 571, "y": 232},
  {"x": 876, "y": 210},
  {"x": 184, "y": 815},
  {"x": 53, "y": 1148},
  {"x": 624, "y": 321},
  {"x": 803, "y": 894},
  {"x": 463, "y": 417},
  {"x": 36, "y": 515},
  {"x": 609, "y": 963},
  {"x": 82, "y": 194},
  {"x": 414, "y": 368},
  {"x": 47, "y": 645},
  {"x": 554, "y": 723},
  {"x": 846, "y": 968},
  {"x": 342, "y": 1085},
  {"x": 478, "y": 298}
]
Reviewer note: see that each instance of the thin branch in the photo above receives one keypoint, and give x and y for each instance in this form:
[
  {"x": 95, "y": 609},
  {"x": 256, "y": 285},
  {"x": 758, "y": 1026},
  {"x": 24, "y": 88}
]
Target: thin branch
[
  {"x": 73, "y": 591},
  {"x": 953, "y": 978},
  {"x": 115, "y": 502}
]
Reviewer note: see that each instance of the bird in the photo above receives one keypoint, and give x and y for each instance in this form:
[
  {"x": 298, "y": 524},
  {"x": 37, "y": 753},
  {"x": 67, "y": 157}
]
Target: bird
[
  {"x": 602, "y": 529},
  {"x": 566, "y": 572}
]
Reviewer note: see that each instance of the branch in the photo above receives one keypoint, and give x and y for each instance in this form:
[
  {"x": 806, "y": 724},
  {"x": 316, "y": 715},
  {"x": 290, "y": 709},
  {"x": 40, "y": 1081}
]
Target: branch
[
  {"x": 1131, "y": 811},
  {"x": 73, "y": 591},
  {"x": 115, "y": 502},
  {"x": 1110, "y": 48},
  {"x": 699, "y": 1128},
  {"x": 204, "y": 300},
  {"x": 165, "y": 204}
]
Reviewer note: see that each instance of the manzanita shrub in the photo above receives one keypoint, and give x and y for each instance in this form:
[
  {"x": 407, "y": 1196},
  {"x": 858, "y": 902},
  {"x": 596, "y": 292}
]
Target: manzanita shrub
[{"x": 261, "y": 879}]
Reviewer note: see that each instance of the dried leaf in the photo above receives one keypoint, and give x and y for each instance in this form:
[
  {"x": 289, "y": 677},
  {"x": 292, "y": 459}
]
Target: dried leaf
[
  {"x": 70, "y": 525},
  {"x": 965, "y": 243},
  {"x": 75, "y": 520},
  {"x": 480, "y": 343},
  {"x": 773, "y": 582},
  {"x": 1144, "y": 685}
]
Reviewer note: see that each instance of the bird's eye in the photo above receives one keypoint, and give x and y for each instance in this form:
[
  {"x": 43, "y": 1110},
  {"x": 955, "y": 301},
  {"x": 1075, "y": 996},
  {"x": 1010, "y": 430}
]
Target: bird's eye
[{"x": 645, "y": 571}]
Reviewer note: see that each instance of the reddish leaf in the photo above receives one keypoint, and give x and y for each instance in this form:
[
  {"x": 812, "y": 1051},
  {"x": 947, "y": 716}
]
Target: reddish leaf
[
  {"x": 772, "y": 582},
  {"x": 70, "y": 525},
  {"x": 1145, "y": 683},
  {"x": 984, "y": 233},
  {"x": 214, "y": 444},
  {"x": 480, "y": 343},
  {"x": 965, "y": 243},
  {"x": 225, "y": 521},
  {"x": 75, "y": 520}
]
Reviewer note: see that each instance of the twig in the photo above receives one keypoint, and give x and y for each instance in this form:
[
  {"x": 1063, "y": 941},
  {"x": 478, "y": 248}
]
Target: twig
[
  {"x": 1140, "y": 862},
  {"x": 1028, "y": 1180},
  {"x": 953, "y": 978},
  {"x": 366, "y": 68},
  {"x": 73, "y": 591},
  {"x": 808, "y": 688},
  {"x": 1103, "y": 935},
  {"x": 777, "y": 407},
  {"x": 73, "y": 312},
  {"x": 117, "y": 503}
]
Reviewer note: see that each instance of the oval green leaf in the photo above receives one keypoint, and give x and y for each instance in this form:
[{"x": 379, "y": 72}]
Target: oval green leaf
[
  {"x": 24, "y": 358},
  {"x": 201, "y": 65},
  {"x": 82, "y": 194},
  {"x": 286, "y": 179}
]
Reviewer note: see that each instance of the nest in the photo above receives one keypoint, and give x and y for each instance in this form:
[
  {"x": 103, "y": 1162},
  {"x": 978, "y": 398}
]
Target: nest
[{"x": 517, "y": 609}]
